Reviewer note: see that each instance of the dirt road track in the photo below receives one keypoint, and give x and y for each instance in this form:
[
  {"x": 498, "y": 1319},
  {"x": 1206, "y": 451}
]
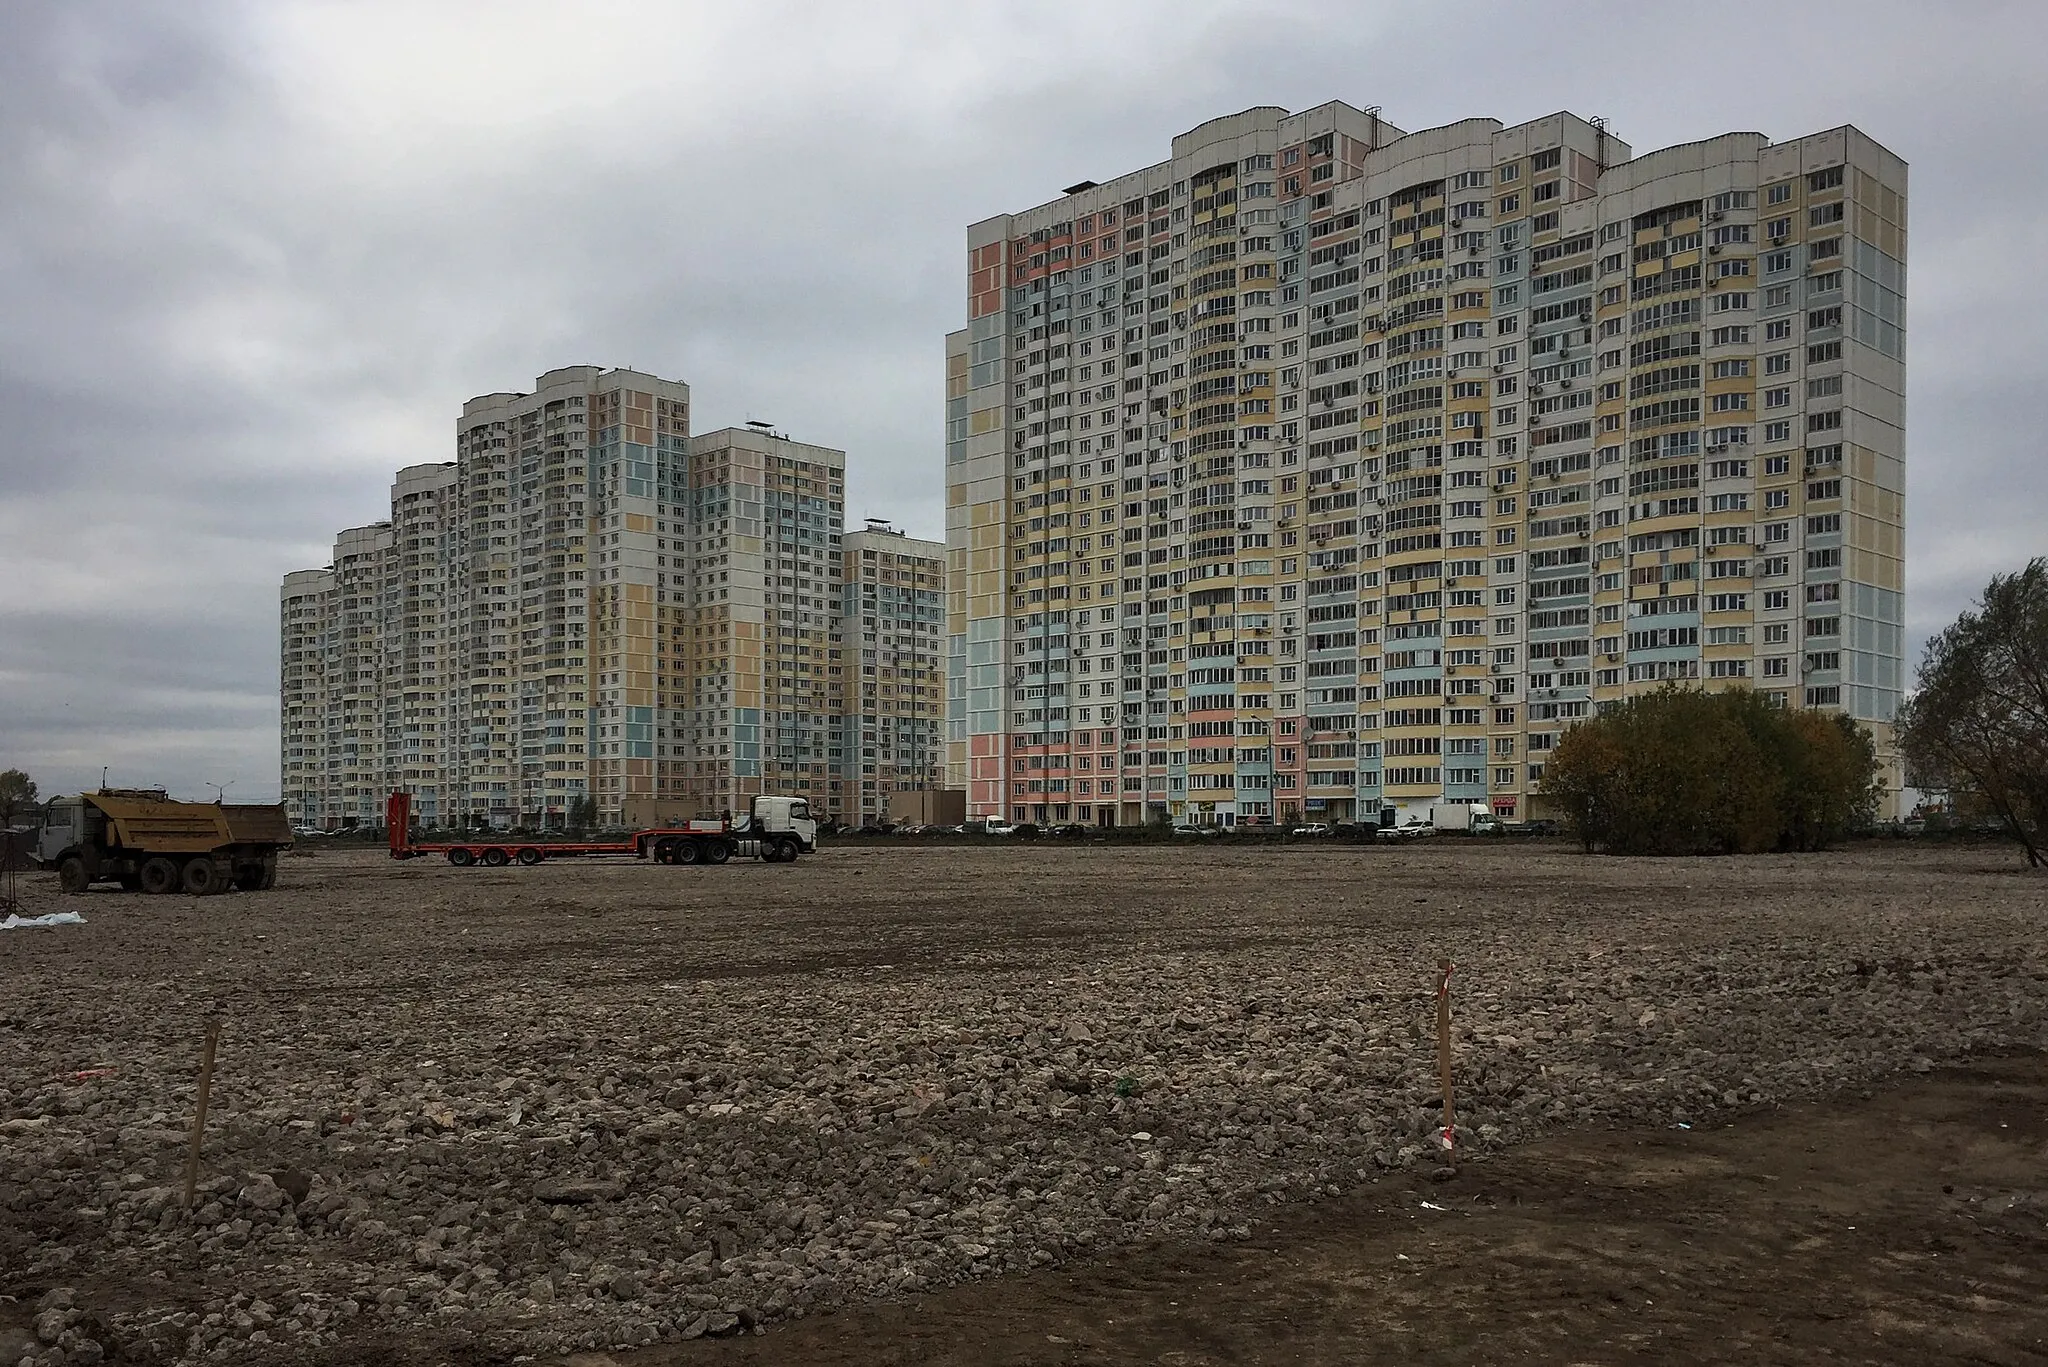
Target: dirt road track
[{"x": 1908, "y": 1228}]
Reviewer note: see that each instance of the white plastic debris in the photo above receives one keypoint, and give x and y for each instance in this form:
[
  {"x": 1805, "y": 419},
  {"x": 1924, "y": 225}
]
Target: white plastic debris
[{"x": 50, "y": 918}]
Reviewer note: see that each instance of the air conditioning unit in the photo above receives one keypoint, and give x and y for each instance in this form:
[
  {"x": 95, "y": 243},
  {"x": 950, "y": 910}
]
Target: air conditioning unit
[
  {"x": 1564, "y": 384},
  {"x": 1535, "y": 389},
  {"x": 1714, "y": 216},
  {"x": 1714, "y": 250},
  {"x": 1457, "y": 223},
  {"x": 1585, "y": 536},
  {"x": 1499, "y": 369},
  {"x": 1477, "y": 251}
]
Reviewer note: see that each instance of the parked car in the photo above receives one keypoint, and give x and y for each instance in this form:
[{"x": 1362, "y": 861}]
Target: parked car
[
  {"x": 1414, "y": 830},
  {"x": 1072, "y": 830},
  {"x": 1312, "y": 828},
  {"x": 998, "y": 828}
]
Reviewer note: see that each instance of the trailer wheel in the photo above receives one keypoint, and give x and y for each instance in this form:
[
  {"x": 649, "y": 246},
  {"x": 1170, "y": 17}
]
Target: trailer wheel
[
  {"x": 249, "y": 877},
  {"x": 269, "y": 873},
  {"x": 688, "y": 852},
  {"x": 496, "y": 858},
  {"x": 71, "y": 875},
  {"x": 461, "y": 858},
  {"x": 201, "y": 878},
  {"x": 159, "y": 876},
  {"x": 530, "y": 856},
  {"x": 717, "y": 852}
]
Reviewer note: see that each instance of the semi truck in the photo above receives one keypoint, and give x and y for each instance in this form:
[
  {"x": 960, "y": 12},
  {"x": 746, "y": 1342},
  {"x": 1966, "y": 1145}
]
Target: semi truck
[
  {"x": 773, "y": 830},
  {"x": 142, "y": 839}
]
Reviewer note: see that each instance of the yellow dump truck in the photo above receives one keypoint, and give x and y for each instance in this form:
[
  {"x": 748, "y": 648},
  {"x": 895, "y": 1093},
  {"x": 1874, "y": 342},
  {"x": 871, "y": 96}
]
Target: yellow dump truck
[{"x": 140, "y": 838}]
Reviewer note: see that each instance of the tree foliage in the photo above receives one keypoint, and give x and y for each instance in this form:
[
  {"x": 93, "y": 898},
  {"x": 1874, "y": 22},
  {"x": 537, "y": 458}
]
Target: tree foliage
[
  {"x": 1977, "y": 725},
  {"x": 1680, "y": 771},
  {"x": 17, "y": 796}
]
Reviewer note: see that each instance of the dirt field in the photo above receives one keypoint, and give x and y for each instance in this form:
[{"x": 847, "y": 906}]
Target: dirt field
[{"x": 1129, "y": 1104}]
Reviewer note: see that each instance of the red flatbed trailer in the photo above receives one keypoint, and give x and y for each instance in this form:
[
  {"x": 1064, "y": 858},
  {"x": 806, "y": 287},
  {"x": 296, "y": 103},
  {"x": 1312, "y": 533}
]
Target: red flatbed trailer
[{"x": 700, "y": 841}]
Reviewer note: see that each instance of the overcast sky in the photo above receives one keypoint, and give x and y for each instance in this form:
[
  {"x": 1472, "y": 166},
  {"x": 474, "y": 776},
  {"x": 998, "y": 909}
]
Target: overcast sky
[{"x": 253, "y": 258}]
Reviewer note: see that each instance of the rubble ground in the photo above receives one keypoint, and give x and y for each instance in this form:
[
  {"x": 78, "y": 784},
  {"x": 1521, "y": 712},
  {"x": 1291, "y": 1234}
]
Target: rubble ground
[{"x": 472, "y": 1114}]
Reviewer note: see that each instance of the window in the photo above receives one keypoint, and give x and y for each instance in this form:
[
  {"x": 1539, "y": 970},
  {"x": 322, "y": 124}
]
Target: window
[
  {"x": 1510, "y": 204},
  {"x": 1778, "y": 330},
  {"x": 1776, "y": 431},
  {"x": 1778, "y": 297},
  {"x": 1779, "y": 193},
  {"x": 1824, "y": 180},
  {"x": 1774, "y": 262},
  {"x": 1779, "y": 363},
  {"x": 1777, "y": 398},
  {"x": 1727, "y": 370}
]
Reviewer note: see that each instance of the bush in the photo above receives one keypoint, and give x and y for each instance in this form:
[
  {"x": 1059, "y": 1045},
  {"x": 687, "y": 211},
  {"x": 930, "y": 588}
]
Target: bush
[{"x": 1679, "y": 771}]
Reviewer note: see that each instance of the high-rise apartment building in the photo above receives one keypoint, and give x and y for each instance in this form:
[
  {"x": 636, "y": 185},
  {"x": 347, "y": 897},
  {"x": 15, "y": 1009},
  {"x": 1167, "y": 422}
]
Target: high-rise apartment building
[
  {"x": 760, "y": 652},
  {"x": 1325, "y": 468},
  {"x": 587, "y": 606},
  {"x": 895, "y": 616}
]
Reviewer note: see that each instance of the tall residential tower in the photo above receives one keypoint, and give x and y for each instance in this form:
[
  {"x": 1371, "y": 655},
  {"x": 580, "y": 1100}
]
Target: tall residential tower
[{"x": 1325, "y": 468}]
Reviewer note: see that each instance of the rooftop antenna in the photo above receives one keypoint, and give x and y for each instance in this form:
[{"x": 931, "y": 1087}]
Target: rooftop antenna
[
  {"x": 1372, "y": 111},
  {"x": 1599, "y": 122},
  {"x": 220, "y": 791}
]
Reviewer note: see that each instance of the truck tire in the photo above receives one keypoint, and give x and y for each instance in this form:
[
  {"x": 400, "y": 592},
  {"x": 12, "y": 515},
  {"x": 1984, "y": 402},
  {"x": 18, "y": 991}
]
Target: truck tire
[
  {"x": 688, "y": 852},
  {"x": 530, "y": 856},
  {"x": 201, "y": 877},
  {"x": 461, "y": 858},
  {"x": 786, "y": 851},
  {"x": 249, "y": 877},
  {"x": 159, "y": 876},
  {"x": 269, "y": 872},
  {"x": 718, "y": 851},
  {"x": 663, "y": 852},
  {"x": 71, "y": 875},
  {"x": 496, "y": 858}
]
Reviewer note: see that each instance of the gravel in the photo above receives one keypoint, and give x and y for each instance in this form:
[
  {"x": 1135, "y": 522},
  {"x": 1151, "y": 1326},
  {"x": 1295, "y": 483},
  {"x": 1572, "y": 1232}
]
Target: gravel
[{"x": 589, "y": 1108}]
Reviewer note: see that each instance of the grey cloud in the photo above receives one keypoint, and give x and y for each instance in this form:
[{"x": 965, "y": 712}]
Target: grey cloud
[{"x": 253, "y": 259}]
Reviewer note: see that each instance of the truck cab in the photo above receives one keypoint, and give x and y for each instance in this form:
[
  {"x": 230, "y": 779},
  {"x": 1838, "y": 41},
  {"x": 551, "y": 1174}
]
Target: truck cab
[{"x": 784, "y": 816}]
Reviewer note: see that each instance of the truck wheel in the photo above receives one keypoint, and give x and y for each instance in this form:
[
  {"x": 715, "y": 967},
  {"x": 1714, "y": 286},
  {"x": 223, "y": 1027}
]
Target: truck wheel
[
  {"x": 269, "y": 873},
  {"x": 664, "y": 852},
  {"x": 71, "y": 875},
  {"x": 530, "y": 857},
  {"x": 717, "y": 852},
  {"x": 496, "y": 858},
  {"x": 131, "y": 881},
  {"x": 159, "y": 876},
  {"x": 688, "y": 852},
  {"x": 785, "y": 851},
  {"x": 461, "y": 858},
  {"x": 201, "y": 878},
  {"x": 249, "y": 877}
]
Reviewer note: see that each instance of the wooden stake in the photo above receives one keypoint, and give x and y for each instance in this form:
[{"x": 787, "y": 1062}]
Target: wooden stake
[
  {"x": 1443, "y": 1047},
  {"x": 199, "y": 1113}
]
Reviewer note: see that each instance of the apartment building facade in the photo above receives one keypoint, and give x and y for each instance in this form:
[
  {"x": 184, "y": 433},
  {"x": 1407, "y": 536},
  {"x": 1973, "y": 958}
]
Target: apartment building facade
[
  {"x": 589, "y": 609},
  {"x": 895, "y": 615},
  {"x": 1326, "y": 468}
]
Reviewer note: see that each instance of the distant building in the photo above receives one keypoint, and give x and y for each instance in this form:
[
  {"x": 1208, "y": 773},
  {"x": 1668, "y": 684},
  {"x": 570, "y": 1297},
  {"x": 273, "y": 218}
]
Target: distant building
[
  {"x": 894, "y": 609},
  {"x": 588, "y": 607}
]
